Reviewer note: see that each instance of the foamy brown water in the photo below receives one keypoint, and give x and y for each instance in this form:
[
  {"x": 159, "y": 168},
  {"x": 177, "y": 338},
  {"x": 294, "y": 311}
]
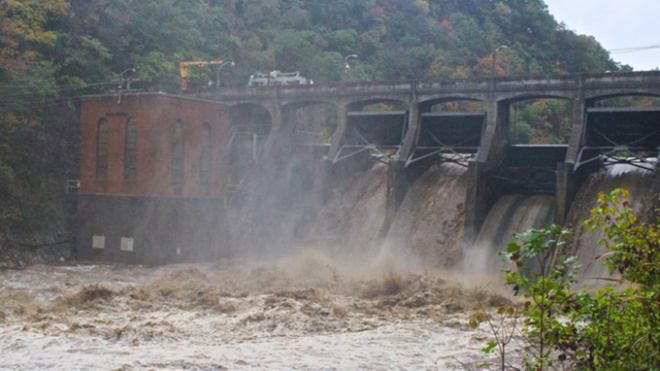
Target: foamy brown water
[{"x": 299, "y": 314}]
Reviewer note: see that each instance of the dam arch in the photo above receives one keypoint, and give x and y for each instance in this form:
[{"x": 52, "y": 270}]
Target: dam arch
[
  {"x": 504, "y": 167},
  {"x": 250, "y": 126},
  {"x": 311, "y": 123},
  {"x": 359, "y": 103},
  {"x": 600, "y": 96}
]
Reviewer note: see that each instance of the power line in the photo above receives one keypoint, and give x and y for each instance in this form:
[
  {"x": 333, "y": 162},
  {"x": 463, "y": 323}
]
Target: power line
[
  {"x": 61, "y": 88},
  {"x": 25, "y": 101},
  {"x": 633, "y": 49},
  {"x": 12, "y": 86},
  {"x": 44, "y": 104}
]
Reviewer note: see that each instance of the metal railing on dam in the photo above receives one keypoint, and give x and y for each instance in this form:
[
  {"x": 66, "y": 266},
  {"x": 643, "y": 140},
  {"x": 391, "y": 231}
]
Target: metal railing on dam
[{"x": 586, "y": 86}]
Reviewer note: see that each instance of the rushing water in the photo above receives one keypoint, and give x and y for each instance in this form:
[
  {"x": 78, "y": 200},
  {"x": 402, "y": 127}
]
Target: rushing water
[
  {"x": 429, "y": 225},
  {"x": 303, "y": 313},
  {"x": 350, "y": 223},
  {"x": 311, "y": 311},
  {"x": 586, "y": 244},
  {"x": 511, "y": 214}
]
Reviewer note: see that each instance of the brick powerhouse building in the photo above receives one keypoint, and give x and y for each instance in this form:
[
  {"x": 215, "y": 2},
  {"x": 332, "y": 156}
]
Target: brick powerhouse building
[{"x": 151, "y": 179}]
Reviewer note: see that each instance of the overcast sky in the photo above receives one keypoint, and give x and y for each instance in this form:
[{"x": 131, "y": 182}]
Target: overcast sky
[{"x": 616, "y": 24}]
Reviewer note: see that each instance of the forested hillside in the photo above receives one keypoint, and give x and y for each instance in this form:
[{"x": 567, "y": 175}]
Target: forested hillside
[{"x": 53, "y": 52}]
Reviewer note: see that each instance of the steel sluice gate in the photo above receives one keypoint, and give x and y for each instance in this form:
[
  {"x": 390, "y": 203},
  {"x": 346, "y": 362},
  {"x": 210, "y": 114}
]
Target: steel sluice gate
[
  {"x": 449, "y": 137},
  {"x": 381, "y": 133},
  {"x": 528, "y": 169},
  {"x": 620, "y": 136}
]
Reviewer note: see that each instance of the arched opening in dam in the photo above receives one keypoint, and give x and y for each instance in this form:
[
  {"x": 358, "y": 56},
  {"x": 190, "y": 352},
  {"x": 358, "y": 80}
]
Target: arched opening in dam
[
  {"x": 628, "y": 100},
  {"x": 373, "y": 129},
  {"x": 250, "y": 126},
  {"x": 541, "y": 121},
  {"x": 313, "y": 123},
  {"x": 456, "y": 105}
]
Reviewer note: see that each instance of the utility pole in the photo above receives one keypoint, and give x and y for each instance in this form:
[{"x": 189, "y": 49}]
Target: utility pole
[
  {"x": 121, "y": 83},
  {"x": 347, "y": 66},
  {"x": 217, "y": 73},
  {"x": 494, "y": 57}
]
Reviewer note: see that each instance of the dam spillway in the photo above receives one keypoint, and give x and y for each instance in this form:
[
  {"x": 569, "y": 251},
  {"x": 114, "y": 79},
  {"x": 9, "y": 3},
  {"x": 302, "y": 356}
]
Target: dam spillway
[{"x": 279, "y": 188}]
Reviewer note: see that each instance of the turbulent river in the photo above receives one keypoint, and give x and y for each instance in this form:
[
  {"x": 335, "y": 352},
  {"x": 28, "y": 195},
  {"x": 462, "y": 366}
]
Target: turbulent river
[
  {"x": 295, "y": 314},
  {"x": 352, "y": 298}
]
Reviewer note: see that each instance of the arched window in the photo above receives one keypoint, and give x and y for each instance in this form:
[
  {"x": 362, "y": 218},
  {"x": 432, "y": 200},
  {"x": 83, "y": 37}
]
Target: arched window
[
  {"x": 177, "y": 153},
  {"x": 102, "y": 151},
  {"x": 205, "y": 156},
  {"x": 130, "y": 153}
]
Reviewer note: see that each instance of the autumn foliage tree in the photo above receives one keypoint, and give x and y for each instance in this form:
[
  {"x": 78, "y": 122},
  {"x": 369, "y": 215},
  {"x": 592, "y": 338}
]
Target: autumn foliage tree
[{"x": 27, "y": 82}]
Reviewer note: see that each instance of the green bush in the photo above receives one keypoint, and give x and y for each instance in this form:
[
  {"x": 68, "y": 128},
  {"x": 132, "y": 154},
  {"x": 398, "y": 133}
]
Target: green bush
[
  {"x": 616, "y": 329},
  {"x": 624, "y": 327}
]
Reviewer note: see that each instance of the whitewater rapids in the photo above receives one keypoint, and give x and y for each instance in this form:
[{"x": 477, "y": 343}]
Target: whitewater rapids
[{"x": 299, "y": 314}]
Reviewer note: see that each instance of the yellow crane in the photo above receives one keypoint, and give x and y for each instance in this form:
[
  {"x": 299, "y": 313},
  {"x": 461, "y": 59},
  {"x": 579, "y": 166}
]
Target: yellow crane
[{"x": 184, "y": 68}]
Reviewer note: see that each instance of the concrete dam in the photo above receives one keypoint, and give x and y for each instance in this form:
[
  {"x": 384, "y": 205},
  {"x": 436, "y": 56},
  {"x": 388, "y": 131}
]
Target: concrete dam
[{"x": 259, "y": 171}]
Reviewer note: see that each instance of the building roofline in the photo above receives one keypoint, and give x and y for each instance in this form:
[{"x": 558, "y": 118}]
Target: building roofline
[{"x": 150, "y": 93}]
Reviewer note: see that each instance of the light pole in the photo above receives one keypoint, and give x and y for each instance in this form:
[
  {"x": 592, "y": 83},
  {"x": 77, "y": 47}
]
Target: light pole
[
  {"x": 217, "y": 73},
  {"x": 347, "y": 64},
  {"x": 121, "y": 83},
  {"x": 121, "y": 75},
  {"x": 494, "y": 57}
]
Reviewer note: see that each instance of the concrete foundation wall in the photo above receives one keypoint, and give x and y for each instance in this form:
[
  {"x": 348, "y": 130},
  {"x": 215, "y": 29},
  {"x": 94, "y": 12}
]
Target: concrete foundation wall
[{"x": 163, "y": 229}]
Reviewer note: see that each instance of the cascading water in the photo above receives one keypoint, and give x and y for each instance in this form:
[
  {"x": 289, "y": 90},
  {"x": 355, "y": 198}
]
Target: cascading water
[
  {"x": 429, "y": 225},
  {"x": 511, "y": 214},
  {"x": 428, "y": 228},
  {"x": 303, "y": 311},
  {"x": 585, "y": 244},
  {"x": 271, "y": 213},
  {"x": 351, "y": 221}
]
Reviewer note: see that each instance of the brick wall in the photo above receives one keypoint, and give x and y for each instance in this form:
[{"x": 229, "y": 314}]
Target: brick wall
[{"x": 156, "y": 114}]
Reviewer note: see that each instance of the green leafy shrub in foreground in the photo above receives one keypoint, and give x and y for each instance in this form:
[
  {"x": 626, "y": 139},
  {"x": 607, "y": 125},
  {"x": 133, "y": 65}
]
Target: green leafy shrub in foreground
[{"x": 616, "y": 329}]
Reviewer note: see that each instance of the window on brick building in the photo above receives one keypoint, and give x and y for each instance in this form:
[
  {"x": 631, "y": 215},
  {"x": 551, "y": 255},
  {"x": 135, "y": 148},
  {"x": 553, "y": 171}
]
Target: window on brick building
[
  {"x": 177, "y": 153},
  {"x": 102, "y": 151},
  {"x": 205, "y": 156},
  {"x": 130, "y": 153}
]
